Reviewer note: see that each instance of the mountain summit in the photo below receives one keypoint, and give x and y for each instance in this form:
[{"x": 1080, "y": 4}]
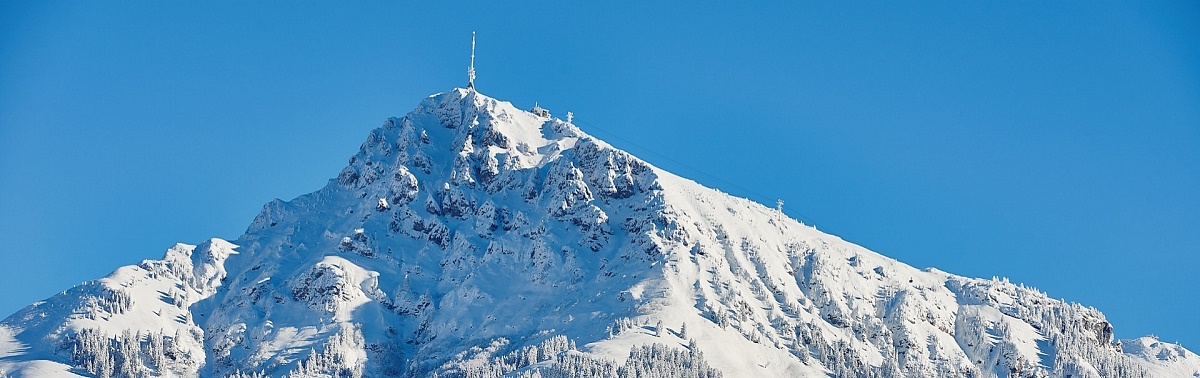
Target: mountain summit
[{"x": 470, "y": 238}]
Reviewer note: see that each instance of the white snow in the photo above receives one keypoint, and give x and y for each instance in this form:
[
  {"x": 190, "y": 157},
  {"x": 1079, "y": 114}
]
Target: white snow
[
  {"x": 1162, "y": 359},
  {"x": 470, "y": 230}
]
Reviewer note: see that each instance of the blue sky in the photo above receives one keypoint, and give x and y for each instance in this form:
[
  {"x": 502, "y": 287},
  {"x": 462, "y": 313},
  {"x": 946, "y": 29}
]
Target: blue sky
[{"x": 1057, "y": 144}]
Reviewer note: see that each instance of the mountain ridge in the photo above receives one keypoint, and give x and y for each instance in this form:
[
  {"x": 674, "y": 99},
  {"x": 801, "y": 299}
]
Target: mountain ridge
[{"x": 472, "y": 238}]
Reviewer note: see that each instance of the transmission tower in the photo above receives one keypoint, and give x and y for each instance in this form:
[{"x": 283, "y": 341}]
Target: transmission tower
[{"x": 471, "y": 69}]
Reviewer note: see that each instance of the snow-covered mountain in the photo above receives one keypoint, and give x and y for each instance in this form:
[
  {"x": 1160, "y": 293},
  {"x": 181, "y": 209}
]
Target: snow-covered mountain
[{"x": 470, "y": 238}]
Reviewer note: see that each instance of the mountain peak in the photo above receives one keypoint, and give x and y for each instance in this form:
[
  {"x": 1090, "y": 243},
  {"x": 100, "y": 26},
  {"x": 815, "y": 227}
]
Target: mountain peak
[
  {"x": 495, "y": 126},
  {"x": 472, "y": 238}
]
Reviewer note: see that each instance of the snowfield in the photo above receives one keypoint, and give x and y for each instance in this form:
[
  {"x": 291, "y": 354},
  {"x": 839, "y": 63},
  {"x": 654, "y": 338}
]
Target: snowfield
[{"x": 470, "y": 238}]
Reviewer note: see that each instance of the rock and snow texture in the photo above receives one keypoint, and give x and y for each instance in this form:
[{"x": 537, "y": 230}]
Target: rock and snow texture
[
  {"x": 135, "y": 321},
  {"x": 1163, "y": 359},
  {"x": 470, "y": 238}
]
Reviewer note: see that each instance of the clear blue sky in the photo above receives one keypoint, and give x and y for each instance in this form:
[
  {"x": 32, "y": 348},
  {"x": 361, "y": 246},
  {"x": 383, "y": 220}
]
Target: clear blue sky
[{"x": 1056, "y": 143}]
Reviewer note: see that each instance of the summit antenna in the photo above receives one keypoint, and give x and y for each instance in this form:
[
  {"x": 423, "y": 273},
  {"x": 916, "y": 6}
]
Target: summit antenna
[
  {"x": 471, "y": 69},
  {"x": 779, "y": 208}
]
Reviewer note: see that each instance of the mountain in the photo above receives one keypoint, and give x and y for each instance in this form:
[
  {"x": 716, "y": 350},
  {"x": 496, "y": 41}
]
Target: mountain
[{"x": 470, "y": 238}]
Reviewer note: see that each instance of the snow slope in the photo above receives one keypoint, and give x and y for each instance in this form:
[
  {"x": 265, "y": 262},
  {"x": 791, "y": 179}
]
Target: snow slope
[
  {"x": 471, "y": 238},
  {"x": 1162, "y": 359}
]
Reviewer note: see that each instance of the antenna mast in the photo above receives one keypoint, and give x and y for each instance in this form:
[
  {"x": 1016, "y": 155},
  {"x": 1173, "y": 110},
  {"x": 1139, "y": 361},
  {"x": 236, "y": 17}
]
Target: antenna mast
[
  {"x": 779, "y": 208},
  {"x": 471, "y": 69}
]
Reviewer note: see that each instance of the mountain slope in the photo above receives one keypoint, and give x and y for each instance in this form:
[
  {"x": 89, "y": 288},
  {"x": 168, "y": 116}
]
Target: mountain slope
[{"x": 471, "y": 238}]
